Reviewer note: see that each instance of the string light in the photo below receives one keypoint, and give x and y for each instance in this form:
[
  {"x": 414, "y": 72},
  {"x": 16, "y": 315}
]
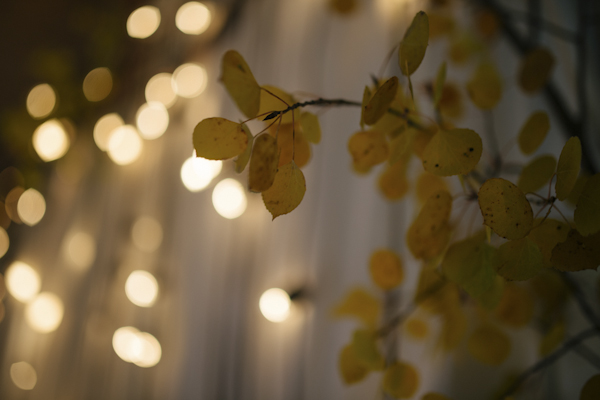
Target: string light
[
  {"x": 31, "y": 207},
  {"x": 189, "y": 80},
  {"x": 41, "y": 101},
  {"x": 152, "y": 120},
  {"x": 97, "y": 84},
  {"x": 229, "y": 198},
  {"x": 193, "y": 18},
  {"x": 274, "y": 305},
  {"x": 50, "y": 140},
  {"x": 124, "y": 145},
  {"x": 141, "y": 288},
  {"x": 104, "y": 128},
  {"x": 143, "y": 22},
  {"x": 22, "y": 281},
  {"x": 44, "y": 314}
]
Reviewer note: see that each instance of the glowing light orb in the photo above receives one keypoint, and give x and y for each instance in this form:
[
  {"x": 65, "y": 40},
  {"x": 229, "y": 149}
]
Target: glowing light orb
[
  {"x": 44, "y": 314},
  {"x": 143, "y": 22},
  {"x": 31, "y": 207},
  {"x": 141, "y": 288},
  {"x": 152, "y": 120},
  {"x": 189, "y": 80},
  {"x": 41, "y": 101},
  {"x": 133, "y": 346},
  {"x": 160, "y": 89},
  {"x": 229, "y": 198},
  {"x": 4, "y": 244},
  {"x": 104, "y": 128},
  {"x": 23, "y": 375},
  {"x": 97, "y": 84},
  {"x": 275, "y": 305},
  {"x": 80, "y": 248},
  {"x": 124, "y": 145},
  {"x": 50, "y": 140},
  {"x": 198, "y": 172},
  {"x": 193, "y": 18},
  {"x": 22, "y": 281},
  {"x": 147, "y": 234}
]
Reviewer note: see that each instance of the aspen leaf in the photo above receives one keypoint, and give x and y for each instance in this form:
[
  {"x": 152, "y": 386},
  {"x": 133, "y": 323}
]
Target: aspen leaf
[
  {"x": 519, "y": 260},
  {"x": 365, "y": 101},
  {"x": 368, "y": 148},
  {"x": 537, "y": 173},
  {"x": 391, "y": 124},
  {"x": 429, "y": 233},
  {"x": 428, "y": 184},
  {"x": 401, "y": 146},
  {"x": 451, "y": 102},
  {"x": 452, "y": 152},
  {"x": 533, "y": 132},
  {"x": 380, "y": 102},
  {"x": 263, "y": 164},
  {"x": 422, "y": 139},
  {"x": 386, "y": 269},
  {"x": 292, "y": 145},
  {"x": 435, "y": 294},
  {"x": 516, "y": 307},
  {"x": 439, "y": 84},
  {"x": 240, "y": 83},
  {"x": 416, "y": 328},
  {"x": 578, "y": 188},
  {"x": 535, "y": 70},
  {"x": 587, "y": 212},
  {"x": 434, "y": 396},
  {"x": 489, "y": 345},
  {"x": 242, "y": 160},
  {"x": 270, "y": 103},
  {"x": 393, "y": 182},
  {"x": 413, "y": 45},
  {"x": 546, "y": 234},
  {"x": 485, "y": 86},
  {"x": 219, "y": 139},
  {"x": 310, "y": 127},
  {"x": 505, "y": 209},
  {"x": 454, "y": 326},
  {"x": 360, "y": 304},
  {"x": 365, "y": 349},
  {"x": 492, "y": 297},
  {"x": 401, "y": 380},
  {"x": 287, "y": 190},
  {"x": 351, "y": 368},
  {"x": 591, "y": 389},
  {"x": 552, "y": 339},
  {"x": 569, "y": 164},
  {"x": 577, "y": 252}
]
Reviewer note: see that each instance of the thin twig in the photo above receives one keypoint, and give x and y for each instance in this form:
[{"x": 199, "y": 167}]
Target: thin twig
[
  {"x": 588, "y": 354},
  {"x": 582, "y": 302}
]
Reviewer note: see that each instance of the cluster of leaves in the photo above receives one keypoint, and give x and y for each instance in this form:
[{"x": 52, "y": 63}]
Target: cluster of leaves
[{"x": 484, "y": 272}]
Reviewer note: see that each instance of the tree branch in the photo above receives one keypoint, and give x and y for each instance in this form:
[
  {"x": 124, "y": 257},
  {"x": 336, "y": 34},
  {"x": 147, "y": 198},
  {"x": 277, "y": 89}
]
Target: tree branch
[{"x": 582, "y": 302}]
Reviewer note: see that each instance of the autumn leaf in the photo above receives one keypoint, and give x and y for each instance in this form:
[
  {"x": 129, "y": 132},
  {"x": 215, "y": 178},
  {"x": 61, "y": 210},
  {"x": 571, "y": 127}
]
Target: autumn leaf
[
  {"x": 380, "y": 102},
  {"x": 351, "y": 368},
  {"x": 401, "y": 380},
  {"x": 533, "y": 132},
  {"x": 365, "y": 349},
  {"x": 240, "y": 83},
  {"x": 587, "y": 212},
  {"x": 519, "y": 260},
  {"x": 537, "y": 173},
  {"x": 368, "y": 148},
  {"x": 489, "y": 345},
  {"x": 219, "y": 139},
  {"x": 577, "y": 253},
  {"x": 287, "y": 190},
  {"x": 413, "y": 45},
  {"x": 485, "y": 86},
  {"x": 452, "y": 152},
  {"x": 386, "y": 269},
  {"x": 428, "y": 235},
  {"x": 263, "y": 164},
  {"x": 569, "y": 164},
  {"x": 440, "y": 80},
  {"x": 242, "y": 160},
  {"x": 393, "y": 182},
  {"x": 310, "y": 127},
  {"x": 359, "y": 303}
]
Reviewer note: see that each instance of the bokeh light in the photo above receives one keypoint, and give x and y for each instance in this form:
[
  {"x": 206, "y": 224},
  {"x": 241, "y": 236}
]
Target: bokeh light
[
  {"x": 193, "y": 18},
  {"x": 44, "y": 314},
  {"x": 136, "y": 347},
  {"x": 23, "y": 375},
  {"x": 152, "y": 120},
  {"x": 160, "y": 89},
  {"x": 189, "y": 80},
  {"x": 11, "y": 202},
  {"x": 141, "y": 288},
  {"x": 143, "y": 22},
  {"x": 198, "y": 172},
  {"x": 229, "y": 198},
  {"x": 22, "y": 281},
  {"x": 124, "y": 340},
  {"x": 50, "y": 140},
  {"x": 104, "y": 128},
  {"x": 147, "y": 234},
  {"x": 97, "y": 84},
  {"x": 275, "y": 305},
  {"x": 124, "y": 145},
  {"x": 4, "y": 244},
  {"x": 41, "y": 101},
  {"x": 31, "y": 207},
  {"x": 80, "y": 249}
]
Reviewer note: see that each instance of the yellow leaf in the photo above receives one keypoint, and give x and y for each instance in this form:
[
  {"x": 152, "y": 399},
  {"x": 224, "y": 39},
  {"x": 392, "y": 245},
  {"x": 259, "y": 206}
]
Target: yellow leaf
[
  {"x": 290, "y": 141},
  {"x": 591, "y": 389},
  {"x": 535, "y": 70},
  {"x": 440, "y": 24},
  {"x": 242, "y": 160},
  {"x": 516, "y": 307},
  {"x": 577, "y": 252},
  {"x": 287, "y": 190},
  {"x": 429, "y": 233},
  {"x": 380, "y": 102},
  {"x": 392, "y": 181},
  {"x": 434, "y": 396},
  {"x": 270, "y": 103},
  {"x": 489, "y": 345},
  {"x": 365, "y": 349},
  {"x": 422, "y": 139},
  {"x": 439, "y": 84},
  {"x": 391, "y": 124},
  {"x": 240, "y": 83},
  {"x": 533, "y": 132},
  {"x": 485, "y": 86},
  {"x": 552, "y": 339},
  {"x": 454, "y": 326},
  {"x": 386, "y": 269},
  {"x": 263, "y": 165},
  {"x": 365, "y": 100},
  {"x": 546, "y": 234},
  {"x": 310, "y": 127},
  {"x": 537, "y": 173},
  {"x": 219, "y": 139},
  {"x": 505, "y": 209},
  {"x": 452, "y": 152},
  {"x": 401, "y": 146},
  {"x": 416, "y": 328},
  {"x": 414, "y": 44},
  {"x": 451, "y": 102},
  {"x": 368, "y": 148},
  {"x": 587, "y": 212},
  {"x": 351, "y": 368},
  {"x": 360, "y": 304},
  {"x": 463, "y": 46},
  {"x": 428, "y": 184},
  {"x": 569, "y": 164},
  {"x": 519, "y": 260},
  {"x": 492, "y": 297},
  {"x": 578, "y": 188},
  {"x": 436, "y": 295},
  {"x": 401, "y": 380}
]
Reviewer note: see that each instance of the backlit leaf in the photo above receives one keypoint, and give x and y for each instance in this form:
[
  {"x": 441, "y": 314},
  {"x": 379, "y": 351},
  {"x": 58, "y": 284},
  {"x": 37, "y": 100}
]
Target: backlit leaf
[
  {"x": 240, "y": 83},
  {"x": 416, "y": 328},
  {"x": 452, "y": 152},
  {"x": 360, "y": 304},
  {"x": 263, "y": 164},
  {"x": 291, "y": 144},
  {"x": 402, "y": 145},
  {"x": 368, "y": 148},
  {"x": 287, "y": 190},
  {"x": 429, "y": 233},
  {"x": 591, "y": 389},
  {"x": 587, "y": 212},
  {"x": 386, "y": 269},
  {"x": 365, "y": 349},
  {"x": 569, "y": 164},
  {"x": 242, "y": 160},
  {"x": 519, "y": 260},
  {"x": 516, "y": 307},
  {"x": 548, "y": 234},
  {"x": 434, "y": 396},
  {"x": 537, "y": 173},
  {"x": 440, "y": 80},
  {"x": 219, "y": 139},
  {"x": 380, "y": 102},
  {"x": 351, "y": 368},
  {"x": 414, "y": 44},
  {"x": 533, "y": 132},
  {"x": 577, "y": 252},
  {"x": 485, "y": 86},
  {"x": 393, "y": 182},
  {"x": 401, "y": 380},
  {"x": 505, "y": 209},
  {"x": 552, "y": 339},
  {"x": 310, "y": 127},
  {"x": 535, "y": 71},
  {"x": 268, "y": 103},
  {"x": 489, "y": 345}
]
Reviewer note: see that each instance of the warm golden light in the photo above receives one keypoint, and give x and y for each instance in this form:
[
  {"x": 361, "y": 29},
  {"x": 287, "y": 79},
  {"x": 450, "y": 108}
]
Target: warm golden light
[
  {"x": 22, "y": 281},
  {"x": 124, "y": 341},
  {"x": 141, "y": 288},
  {"x": 229, "y": 198},
  {"x": 124, "y": 145},
  {"x": 41, "y": 101},
  {"x": 80, "y": 249},
  {"x": 104, "y": 128},
  {"x": 4, "y": 244},
  {"x": 275, "y": 305},
  {"x": 147, "y": 234},
  {"x": 44, "y": 314},
  {"x": 198, "y": 172},
  {"x": 50, "y": 140},
  {"x": 204, "y": 166},
  {"x": 23, "y": 375},
  {"x": 193, "y": 18},
  {"x": 136, "y": 347},
  {"x": 31, "y": 207},
  {"x": 159, "y": 88},
  {"x": 189, "y": 80},
  {"x": 143, "y": 22},
  {"x": 152, "y": 120},
  {"x": 97, "y": 84}
]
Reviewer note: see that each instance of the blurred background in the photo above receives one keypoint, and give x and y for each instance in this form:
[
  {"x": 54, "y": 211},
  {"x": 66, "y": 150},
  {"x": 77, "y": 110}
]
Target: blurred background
[{"x": 134, "y": 270}]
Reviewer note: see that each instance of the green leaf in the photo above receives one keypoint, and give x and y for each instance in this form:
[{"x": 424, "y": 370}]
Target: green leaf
[
  {"x": 519, "y": 260},
  {"x": 413, "y": 46},
  {"x": 365, "y": 349},
  {"x": 351, "y": 368}
]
